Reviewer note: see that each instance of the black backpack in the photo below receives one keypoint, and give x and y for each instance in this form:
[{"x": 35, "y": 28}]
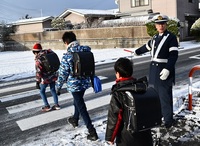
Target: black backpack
[
  {"x": 50, "y": 62},
  {"x": 142, "y": 111},
  {"x": 83, "y": 64}
]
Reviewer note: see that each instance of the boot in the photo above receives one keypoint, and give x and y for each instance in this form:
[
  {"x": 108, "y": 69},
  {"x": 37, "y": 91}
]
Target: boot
[
  {"x": 92, "y": 134},
  {"x": 73, "y": 122}
]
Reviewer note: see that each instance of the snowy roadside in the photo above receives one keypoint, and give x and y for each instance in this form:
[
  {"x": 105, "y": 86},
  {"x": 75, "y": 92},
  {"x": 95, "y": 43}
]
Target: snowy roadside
[
  {"x": 185, "y": 132},
  {"x": 20, "y": 64},
  {"x": 17, "y": 65}
]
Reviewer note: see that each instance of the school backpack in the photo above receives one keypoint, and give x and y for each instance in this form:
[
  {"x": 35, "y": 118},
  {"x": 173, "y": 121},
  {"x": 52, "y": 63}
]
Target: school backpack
[
  {"x": 84, "y": 65},
  {"x": 142, "y": 111},
  {"x": 49, "y": 61}
]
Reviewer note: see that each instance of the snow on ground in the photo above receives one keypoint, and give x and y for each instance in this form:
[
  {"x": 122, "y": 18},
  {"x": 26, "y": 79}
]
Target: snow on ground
[{"x": 20, "y": 64}]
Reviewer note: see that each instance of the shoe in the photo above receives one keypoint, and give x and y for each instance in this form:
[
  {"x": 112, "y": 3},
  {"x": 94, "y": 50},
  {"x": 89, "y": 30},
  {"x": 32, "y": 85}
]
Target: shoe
[
  {"x": 169, "y": 125},
  {"x": 46, "y": 108},
  {"x": 92, "y": 134},
  {"x": 73, "y": 122},
  {"x": 56, "y": 107}
]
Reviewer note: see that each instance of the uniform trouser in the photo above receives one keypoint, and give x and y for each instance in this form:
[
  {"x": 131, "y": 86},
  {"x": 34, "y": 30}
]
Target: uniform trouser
[{"x": 164, "y": 89}]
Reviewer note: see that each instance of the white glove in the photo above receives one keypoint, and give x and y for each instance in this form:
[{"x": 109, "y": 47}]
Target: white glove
[{"x": 164, "y": 74}]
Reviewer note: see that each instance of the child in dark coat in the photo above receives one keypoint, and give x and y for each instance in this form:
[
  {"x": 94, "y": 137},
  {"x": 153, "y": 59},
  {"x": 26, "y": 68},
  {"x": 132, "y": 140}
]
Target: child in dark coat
[{"x": 116, "y": 129}]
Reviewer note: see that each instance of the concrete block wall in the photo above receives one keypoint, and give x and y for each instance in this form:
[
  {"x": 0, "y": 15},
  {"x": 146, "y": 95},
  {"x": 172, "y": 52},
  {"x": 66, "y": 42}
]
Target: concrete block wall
[{"x": 97, "y": 38}]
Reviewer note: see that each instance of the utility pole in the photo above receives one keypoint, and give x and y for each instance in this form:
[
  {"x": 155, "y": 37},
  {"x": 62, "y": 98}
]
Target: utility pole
[{"x": 41, "y": 13}]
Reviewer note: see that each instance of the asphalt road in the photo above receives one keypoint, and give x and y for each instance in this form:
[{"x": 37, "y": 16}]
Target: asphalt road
[{"x": 20, "y": 104}]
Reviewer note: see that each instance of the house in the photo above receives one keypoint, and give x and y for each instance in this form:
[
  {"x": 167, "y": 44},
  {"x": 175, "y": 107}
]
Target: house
[
  {"x": 87, "y": 16},
  {"x": 187, "y": 11},
  {"x": 71, "y": 16},
  {"x": 33, "y": 24}
]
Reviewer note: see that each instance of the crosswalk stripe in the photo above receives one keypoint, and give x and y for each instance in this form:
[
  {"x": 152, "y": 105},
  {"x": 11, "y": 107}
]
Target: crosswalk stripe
[
  {"x": 25, "y": 85},
  {"x": 20, "y": 95},
  {"x": 17, "y": 82},
  {"x": 3, "y": 84},
  {"x": 38, "y": 103},
  {"x": 15, "y": 88},
  {"x": 26, "y": 93},
  {"x": 48, "y": 117}
]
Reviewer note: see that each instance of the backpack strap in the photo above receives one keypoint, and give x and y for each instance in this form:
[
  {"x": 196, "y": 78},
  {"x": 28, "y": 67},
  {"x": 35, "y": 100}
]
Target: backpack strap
[{"x": 92, "y": 81}]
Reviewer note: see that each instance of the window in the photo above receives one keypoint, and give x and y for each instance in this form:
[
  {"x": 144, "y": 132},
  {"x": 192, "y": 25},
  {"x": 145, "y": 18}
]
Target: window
[
  {"x": 190, "y": 1},
  {"x": 137, "y": 3}
]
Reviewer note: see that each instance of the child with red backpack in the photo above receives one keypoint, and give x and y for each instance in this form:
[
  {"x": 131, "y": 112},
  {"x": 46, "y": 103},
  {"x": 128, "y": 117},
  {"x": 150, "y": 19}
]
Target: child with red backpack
[{"x": 44, "y": 78}]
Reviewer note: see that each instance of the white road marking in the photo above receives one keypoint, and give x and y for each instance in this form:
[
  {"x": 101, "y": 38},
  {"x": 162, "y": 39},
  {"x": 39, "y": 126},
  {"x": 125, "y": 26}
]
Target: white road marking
[
  {"x": 19, "y": 95},
  {"x": 195, "y": 57},
  {"x": 17, "y": 82},
  {"x": 15, "y": 88},
  {"x": 26, "y": 93},
  {"x": 52, "y": 116},
  {"x": 48, "y": 117},
  {"x": 39, "y": 103}
]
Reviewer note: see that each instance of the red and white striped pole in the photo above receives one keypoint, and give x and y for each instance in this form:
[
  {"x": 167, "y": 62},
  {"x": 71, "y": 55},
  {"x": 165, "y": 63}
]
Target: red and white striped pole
[
  {"x": 197, "y": 67},
  {"x": 130, "y": 52}
]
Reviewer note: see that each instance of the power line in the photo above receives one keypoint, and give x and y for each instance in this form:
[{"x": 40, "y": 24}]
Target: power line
[{"x": 12, "y": 12}]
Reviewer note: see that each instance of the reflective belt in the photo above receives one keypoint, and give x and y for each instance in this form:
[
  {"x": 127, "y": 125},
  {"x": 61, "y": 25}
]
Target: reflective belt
[{"x": 159, "y": 60}]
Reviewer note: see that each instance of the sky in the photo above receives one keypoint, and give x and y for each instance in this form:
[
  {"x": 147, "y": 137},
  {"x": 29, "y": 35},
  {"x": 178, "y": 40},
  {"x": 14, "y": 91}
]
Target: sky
[
  {"x": 13, "y": 10},
  {"x": 20, "y": 64}
]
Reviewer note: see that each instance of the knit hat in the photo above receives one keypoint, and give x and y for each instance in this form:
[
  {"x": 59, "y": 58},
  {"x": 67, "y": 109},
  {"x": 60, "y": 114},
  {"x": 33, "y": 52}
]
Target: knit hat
[{"x": 37, "y": 47}]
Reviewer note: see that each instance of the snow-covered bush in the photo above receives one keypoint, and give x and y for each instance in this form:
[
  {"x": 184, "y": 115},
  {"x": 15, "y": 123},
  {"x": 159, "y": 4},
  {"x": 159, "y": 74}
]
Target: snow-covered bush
[
  {"x": 132, "y": 21},
  {"x": 172, "y": 26},
  {"x": 58, "y": 23},
  {"x": 195, "y": 29}
]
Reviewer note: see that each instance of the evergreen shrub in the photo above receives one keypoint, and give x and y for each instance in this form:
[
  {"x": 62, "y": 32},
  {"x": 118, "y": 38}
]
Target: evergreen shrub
[
  {"x": 172, "y": 26},
  {"x": 195, "y": 30}
]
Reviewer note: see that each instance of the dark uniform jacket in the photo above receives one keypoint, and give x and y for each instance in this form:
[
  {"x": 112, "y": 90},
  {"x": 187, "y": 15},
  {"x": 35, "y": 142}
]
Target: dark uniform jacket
[
  {"x": 164, "y": 54},
  {"x": 116, "y": 117}
]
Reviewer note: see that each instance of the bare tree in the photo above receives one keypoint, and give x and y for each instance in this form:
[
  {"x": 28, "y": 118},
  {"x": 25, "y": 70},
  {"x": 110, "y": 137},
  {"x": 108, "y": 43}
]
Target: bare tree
[{"x": 5, "y": 30}]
